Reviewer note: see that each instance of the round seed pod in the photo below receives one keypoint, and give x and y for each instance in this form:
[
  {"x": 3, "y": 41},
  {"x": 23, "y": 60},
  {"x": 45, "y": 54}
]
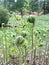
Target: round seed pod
[{"x": 31, "y": 20}]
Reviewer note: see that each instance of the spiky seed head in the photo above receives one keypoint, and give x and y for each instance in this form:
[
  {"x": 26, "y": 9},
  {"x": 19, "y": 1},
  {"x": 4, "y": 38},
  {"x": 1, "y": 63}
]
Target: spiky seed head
[{"x": 31, "y": 19}]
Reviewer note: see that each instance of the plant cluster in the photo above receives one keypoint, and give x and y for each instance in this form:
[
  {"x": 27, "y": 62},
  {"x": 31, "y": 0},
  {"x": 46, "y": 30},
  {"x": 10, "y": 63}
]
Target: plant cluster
[{"x": 4, "y": 16}]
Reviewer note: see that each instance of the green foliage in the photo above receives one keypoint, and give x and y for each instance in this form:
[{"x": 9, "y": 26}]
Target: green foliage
[
  {"x": 10, "y": 0},
  {"x": 23, "y": 64},
  {"x": 4, "y": 17},
  {"x": 5, "y": 2},
  {"x": 9, "y": 4},
  {"x": 25, "y": 5},
  {"x": 33, "y": 5},
  {"x": 17, "y": 18},
  {"x": 14, "y": 51},
  {"x": 24, "y": 33},
  {"x": 20, "y": 4}
]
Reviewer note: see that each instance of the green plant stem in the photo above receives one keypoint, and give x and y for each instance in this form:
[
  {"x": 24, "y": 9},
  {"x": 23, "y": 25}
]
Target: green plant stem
[
  {"x": 20, "y": 57},
  {"x": 32, "y": 45},
  {"x": 25, "y": 54},
  {"x": 34, "y": 56},
  {"x": 6, "y": 55},
  {"x": 3, "y": 45}
]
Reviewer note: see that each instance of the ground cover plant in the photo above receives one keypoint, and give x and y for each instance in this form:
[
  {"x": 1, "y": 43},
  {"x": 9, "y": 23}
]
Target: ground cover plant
[
  {"x": 24, "y": 32},
  {"x": 20, "y": 29}
]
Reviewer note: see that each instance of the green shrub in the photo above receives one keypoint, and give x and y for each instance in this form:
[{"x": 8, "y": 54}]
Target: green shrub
[{"x": 4, "y": 16}]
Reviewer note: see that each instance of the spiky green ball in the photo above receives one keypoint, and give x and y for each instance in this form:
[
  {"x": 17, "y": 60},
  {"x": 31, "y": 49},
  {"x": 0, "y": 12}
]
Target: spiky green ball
[{"x": 31, "y": 19}]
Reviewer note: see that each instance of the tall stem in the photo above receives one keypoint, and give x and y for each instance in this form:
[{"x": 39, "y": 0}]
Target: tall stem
[
  {"x": 34, "y": 56},
  {"x": 32, "y": 46},
  {"x": 6, "y": 49}
]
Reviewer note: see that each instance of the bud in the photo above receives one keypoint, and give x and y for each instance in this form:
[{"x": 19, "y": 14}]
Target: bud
[{"x": 31, "y": 20}]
